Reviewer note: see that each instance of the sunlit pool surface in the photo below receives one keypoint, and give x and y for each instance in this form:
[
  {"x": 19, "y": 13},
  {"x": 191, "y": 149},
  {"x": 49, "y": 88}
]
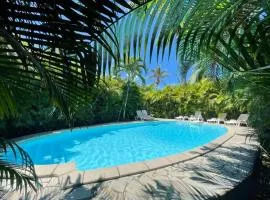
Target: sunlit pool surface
[{"x": 111, "y": 145}]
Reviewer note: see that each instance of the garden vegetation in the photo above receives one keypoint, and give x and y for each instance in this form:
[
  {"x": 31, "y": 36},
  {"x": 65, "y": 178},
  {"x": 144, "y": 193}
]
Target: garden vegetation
[{"x": 57, "y": 60}]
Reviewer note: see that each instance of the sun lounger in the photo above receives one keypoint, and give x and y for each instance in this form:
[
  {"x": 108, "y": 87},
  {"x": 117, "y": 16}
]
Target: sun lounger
[
  {"x": 221, "y": 118},
  {"x": 242, "y": 119},
  {"x": 196, "y": 117},
  {"x": 146, "y": 116},
  {"x": 139, "y": 115}
]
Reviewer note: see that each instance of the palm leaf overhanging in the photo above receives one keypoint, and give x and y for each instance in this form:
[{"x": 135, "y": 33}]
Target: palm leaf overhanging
[
  {"x": 55, "y": 45},
  {"x": 16, "y": 168},
  {"x": 235, "y": 34},
  {"x": 64, "y": 46}
]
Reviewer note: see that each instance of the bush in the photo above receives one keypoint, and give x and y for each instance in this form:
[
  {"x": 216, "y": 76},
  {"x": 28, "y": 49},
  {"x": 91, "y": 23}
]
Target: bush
[
  {"x": 260, "y": 118},
  {"x": 205, "y": 96},
  {"x": 37, "y": 115}
]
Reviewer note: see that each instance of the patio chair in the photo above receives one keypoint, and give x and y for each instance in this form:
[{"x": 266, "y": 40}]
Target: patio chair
[
  {"x": 242, "y": 119},
  {"x": 146, "y": 116},
  {"x": 180, "y": 117},
  {"x": 139, "y": 115},
  {"x": 197, "y": 116},
  {"x": 221, "y": 118}
]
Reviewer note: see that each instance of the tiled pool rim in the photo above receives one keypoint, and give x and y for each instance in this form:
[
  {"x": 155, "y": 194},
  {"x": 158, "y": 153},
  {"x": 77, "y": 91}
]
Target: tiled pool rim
[{"x": 72, "y": 177}]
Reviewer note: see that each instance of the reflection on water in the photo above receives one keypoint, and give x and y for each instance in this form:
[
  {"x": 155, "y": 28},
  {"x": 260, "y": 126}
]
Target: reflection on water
[{"x": 111, "y": 145}]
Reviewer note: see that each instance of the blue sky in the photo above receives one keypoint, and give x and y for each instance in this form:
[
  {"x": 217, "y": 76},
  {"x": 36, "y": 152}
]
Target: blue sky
[{"x": 168, "y": 63}]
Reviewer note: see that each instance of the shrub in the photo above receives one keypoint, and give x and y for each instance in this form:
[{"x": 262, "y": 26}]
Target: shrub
[{"x": 205, "y": 96}]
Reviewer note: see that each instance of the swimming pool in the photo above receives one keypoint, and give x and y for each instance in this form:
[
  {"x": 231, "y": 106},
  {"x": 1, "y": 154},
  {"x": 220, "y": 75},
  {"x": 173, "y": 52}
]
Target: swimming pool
[{"x": 117, "y": 144}]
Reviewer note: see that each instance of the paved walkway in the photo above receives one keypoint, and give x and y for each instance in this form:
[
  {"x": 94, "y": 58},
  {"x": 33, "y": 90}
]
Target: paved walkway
[{"x": 203, "y": 177}]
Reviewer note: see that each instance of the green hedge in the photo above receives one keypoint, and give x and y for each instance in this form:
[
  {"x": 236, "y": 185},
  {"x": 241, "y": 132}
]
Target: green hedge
[
  {"x": 206, "y": 96},
  {"x": 38, "y": 115}
]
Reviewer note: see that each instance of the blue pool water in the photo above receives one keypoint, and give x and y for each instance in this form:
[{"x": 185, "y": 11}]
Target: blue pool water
[{"x": 111, "y": 145}]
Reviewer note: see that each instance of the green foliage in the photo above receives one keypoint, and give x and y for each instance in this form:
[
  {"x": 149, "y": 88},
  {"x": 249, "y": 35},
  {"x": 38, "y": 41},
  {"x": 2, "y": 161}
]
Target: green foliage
[
  {"x": 157, "y": 75},
  {"x": 183, "y": 68},
  {"x": 257, "y": 99},
  {"x": 133, "y": 68},
  {"x": 206, "y": 96},
  {"x": 55, "y": 45},
  {"x": 37, "y": 115},
  {"x": 17, "y": 168},
  {"x": 232, "y": 33},
  {"x": 259, "y": 118}
]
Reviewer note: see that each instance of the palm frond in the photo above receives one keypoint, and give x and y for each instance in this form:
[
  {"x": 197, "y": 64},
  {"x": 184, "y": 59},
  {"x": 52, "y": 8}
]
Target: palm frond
[
  {"x": 234, "y": 34},
  {"x": 16, "y": 167},
  {"x": 144, "y": 31},
  {"x": 55, "y": 45}
]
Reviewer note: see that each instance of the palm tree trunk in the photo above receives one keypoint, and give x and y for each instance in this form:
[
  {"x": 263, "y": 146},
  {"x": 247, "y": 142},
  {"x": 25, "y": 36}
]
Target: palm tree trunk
[
  {"x": 157, "y": 82},
  {"x": 126, "y": 99}
]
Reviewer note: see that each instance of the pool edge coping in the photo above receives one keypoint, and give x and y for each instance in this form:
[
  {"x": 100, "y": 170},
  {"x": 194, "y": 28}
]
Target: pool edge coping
[
  {"x": 58, "y": 131},
  {"x": 70, "y": 177}
]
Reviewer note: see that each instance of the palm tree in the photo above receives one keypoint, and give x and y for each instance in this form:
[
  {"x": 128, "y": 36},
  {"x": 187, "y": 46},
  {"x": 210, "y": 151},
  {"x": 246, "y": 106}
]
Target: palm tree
[
  {"x": 158, "y": 75},
  {"x": 133, "y": 69},
  {"x": 234, "y": 34},
  {"x": 56, "y": 45},
  {"x": 64, "y": 46},
  {"x": 51, "y": 46}
]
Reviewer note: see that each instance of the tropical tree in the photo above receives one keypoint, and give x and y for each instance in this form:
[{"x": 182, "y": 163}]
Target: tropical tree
[
  {"x": 56, "y": 45},
  {"x": 51, "y": 46},
  {"x": 234, "y": 34},
  {"x": 132, "y": 70},
  {"x": 158, "y": 74},
  {"x": 64, "y": 46}
]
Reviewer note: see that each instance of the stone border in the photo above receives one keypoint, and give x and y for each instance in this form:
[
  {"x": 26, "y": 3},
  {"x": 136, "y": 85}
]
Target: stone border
[{"x": 69, "y": 176}]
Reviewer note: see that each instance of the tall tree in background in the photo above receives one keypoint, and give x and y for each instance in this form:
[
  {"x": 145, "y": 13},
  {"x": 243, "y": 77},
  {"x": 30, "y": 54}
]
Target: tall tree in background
[
  {"x": 234, "y": 34},
  {"x": 158, "y": 74},
  {"x": 132, "y": 69}
]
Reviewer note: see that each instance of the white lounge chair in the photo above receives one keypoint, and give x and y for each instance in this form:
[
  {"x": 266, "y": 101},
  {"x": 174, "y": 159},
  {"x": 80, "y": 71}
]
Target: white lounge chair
[
  {"x": 197, "y": 116},
  {"x": 242, "y": 119},
  {"x": 221, "y": 118},
  {"x": 180, "y": 117},
  {"x": 139, "y": 115},
  {"x": 146, "y": 116}
]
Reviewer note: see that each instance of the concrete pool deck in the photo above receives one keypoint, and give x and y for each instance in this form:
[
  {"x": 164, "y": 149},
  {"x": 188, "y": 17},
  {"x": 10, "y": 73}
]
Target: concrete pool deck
[{"x": 206, "y": 172}]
